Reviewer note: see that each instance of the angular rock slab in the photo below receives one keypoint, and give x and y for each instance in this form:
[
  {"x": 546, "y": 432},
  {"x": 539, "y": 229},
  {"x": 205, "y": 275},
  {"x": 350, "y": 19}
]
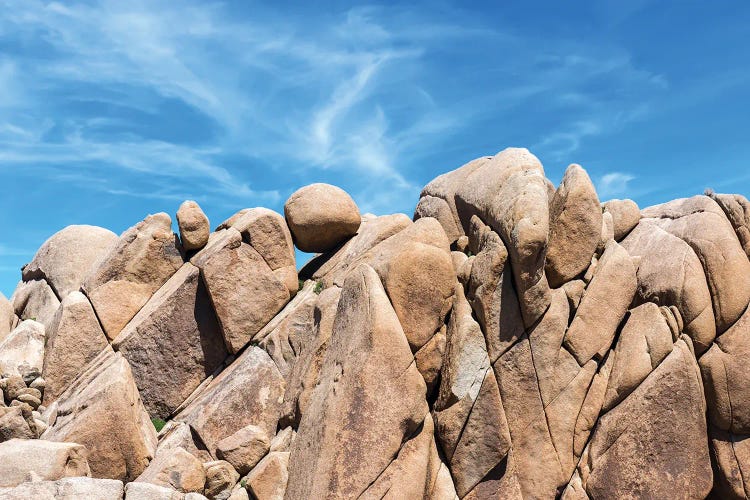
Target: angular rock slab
[
  {"x": 653, "y": 444},
  {"x": 244, "y": 292},
  {"x": 670, "y": 274},
  {"x": 102, "y": 410},
  {"x": 731, "y": 458},
  {"x": 702, "y": 224},
  {"x": 66, "y": 488},
  {"x": 175, "y": 469},
  {"x": 68, "y": 256},
  {"x": 726, "y": 370},
  {"x": 575, "y": 227},
  {"x": 35, "y": 300},
  {"x": 22, "y": 460},
  {"x": 737, "y": 209},
  {"x": 604, "y": 305},
  {"x": 509, "y": 193},
  {"x": 173, "y": 343},
  {"x": 249, "y": 391},
  {"x": 74, "y": 339},
  {"x": 143, "y": 259},
  {"x": 370, "y": 398},
  {"x": 25, "y": 344}
]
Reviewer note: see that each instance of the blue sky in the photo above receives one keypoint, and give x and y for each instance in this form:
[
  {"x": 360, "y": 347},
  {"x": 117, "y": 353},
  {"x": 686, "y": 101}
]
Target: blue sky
[{"x": 110, "y": 111}]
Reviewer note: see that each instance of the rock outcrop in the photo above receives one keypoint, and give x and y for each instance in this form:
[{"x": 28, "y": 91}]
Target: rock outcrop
[{"x": 512, "y": 340}]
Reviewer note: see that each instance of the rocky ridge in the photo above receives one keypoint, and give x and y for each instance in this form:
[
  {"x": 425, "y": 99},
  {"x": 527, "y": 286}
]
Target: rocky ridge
[{"x": 512, "y": 340}]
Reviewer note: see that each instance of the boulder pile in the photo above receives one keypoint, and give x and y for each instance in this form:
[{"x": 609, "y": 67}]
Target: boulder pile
[{"x": 512, "y": 340}]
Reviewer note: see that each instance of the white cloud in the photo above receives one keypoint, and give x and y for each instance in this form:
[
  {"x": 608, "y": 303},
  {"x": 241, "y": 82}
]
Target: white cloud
[{"x": 613, "y": 184}]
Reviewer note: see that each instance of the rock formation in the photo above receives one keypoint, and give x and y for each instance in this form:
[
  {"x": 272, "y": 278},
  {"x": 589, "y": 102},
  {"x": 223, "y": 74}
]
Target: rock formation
[{"x": 513, "y": 340}]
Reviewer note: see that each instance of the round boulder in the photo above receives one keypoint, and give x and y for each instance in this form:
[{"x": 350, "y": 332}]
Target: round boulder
[
  {"x": 193, "y": 224},
  {"x": 320, "y": 217}
]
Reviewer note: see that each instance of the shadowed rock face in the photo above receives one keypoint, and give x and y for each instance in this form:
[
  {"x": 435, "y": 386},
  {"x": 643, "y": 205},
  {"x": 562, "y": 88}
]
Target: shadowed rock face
[{"x": 513, "y": 340}]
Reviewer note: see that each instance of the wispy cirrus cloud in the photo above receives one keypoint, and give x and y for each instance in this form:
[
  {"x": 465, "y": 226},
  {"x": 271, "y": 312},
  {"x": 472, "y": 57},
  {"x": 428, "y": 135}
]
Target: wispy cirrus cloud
[{"x": 614, "y": 184}]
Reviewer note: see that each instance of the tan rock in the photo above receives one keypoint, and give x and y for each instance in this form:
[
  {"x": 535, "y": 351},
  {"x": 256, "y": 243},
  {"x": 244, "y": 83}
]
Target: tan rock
[
  {"x": 176, "y": 469},
  {"x": 7, "y": 317},
  {"x": 612, "y": 288},
  {"x": 429, "y": 359},
  {"x": 509, "y": 193},
  {"x": 66, "y": 488},
  {"x": 575, "y": 227},
  {"x": 484, "y": 441},
  {"x": 608, "y": 232},
  {"x": 25, "y": 344},
  {"x": 338, "y": 453},
  {"x": 193, "y": 224},
  {"x": 332, "y": 268},
  {"x": 173, "y": 343},
  {"x": 443, "y": 488},
  {"x": 465, "y": 365},
  {"x": 419, "y": 283},
  {"x": 102, "y": 410},
  {"x": 702, "y": 224},
  {"x": 671, "y": 274},
  {"x": 220, "y": 477},
  {"x": 653, "y": 444},
  {"x": 13, "y": 425},
  {"x": 249, "y": 391},
  {"x": 644, "y": 342},
  {"x": 136, "y": 266},
  {"x": 413, "y": 471},
  {"x": 268, "y": 480},
  {"x": 303, "y": 377},
  {"x": 74, "y": 339},
  {"x": 177, "y": 434},
  {"x": 283, "y": 439},
  {"x": 244, "y": 291},
  {"x": 592, "y": 407},
  {"x": 737, "y": 209},
  {"x": 438, "y": 208},
  {"x": 574, "y": 290},
  {"x": 244, "y": 448},
  {"x": 725, "y": 368},
  {"x": 490, "y": 290},
  {"x": 625, "y": 216},
  {"x": 21, "y": 460},
  {"x": 148, "y": 491},
  {"x": 35, "y": 300},
  {"x": 537, "y": 466},
  {"x": 67, "y": 257},
  {"x": 269, "y": 235},
  {"x": 731, "y": 458},
  {"x": 231, "y": 220},
  {"x": 321, "y": 216}
]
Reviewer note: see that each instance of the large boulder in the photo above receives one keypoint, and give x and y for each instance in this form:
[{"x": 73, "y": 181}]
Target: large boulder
[
  {"x": 176, "y": 469},
  {"x": 702, "y": 224},
  {"x": 143, "y": 259},
  {"x": 22, "y": 460},
  {"x": 249, "y": 391},
  {"x": 321, "y": 216},
  {"x": 173, "y": 343},
  {"x": 7, "y": 317},
  {"x": 74, "y": 339},
  {"x": 509, "y": 193},
  {"x": 13, "y": 423},
  {"x": 267, "y": 232},
  {"x": 102, "y": 410},
  {"x": 604, "y": 305},
  {"x": 244, "y": 291},
  {"x": 193, "y": 224},
  {"x": 35, "y": 300},
  {"x": 66, "y": 488},
  {"x": 575, "y": 227},
  {"x": 726, "y": 368},
  {"x": 68, "y": 256},
  {"x": 338, "y": 453},
  {"x": 25, "y": 344},
  {"x": 670, "y": 274},
  {"x": 653, "y": 444},
  {"x": 737, "y": 209},
  {"x": 269, "y": 478},
  {"x": 625, "y": 216}
]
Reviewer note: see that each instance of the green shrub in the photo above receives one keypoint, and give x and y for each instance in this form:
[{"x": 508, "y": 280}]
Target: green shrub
[
  {"x": 318, "y": 287},
  {"x": 158, "y": 424}
]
